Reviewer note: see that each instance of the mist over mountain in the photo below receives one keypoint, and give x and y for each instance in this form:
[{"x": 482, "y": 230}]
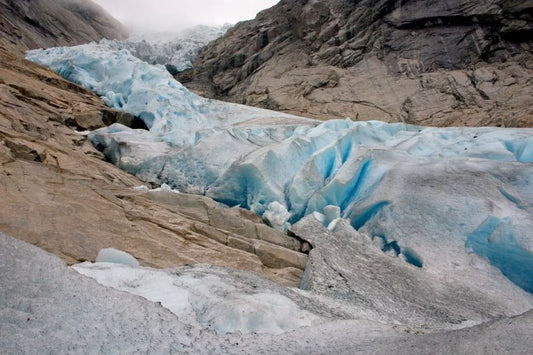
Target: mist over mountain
[{"x": 175, "y": 50}]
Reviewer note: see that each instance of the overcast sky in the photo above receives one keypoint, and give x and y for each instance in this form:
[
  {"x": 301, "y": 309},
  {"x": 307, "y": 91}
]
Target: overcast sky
[{"x": 170, "y": 15}]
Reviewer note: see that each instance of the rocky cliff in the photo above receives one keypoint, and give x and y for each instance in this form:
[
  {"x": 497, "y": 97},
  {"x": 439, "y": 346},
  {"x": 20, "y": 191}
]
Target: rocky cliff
[
  {"x": 457, "y": 62},
  {"x": 50, "y": 23}
]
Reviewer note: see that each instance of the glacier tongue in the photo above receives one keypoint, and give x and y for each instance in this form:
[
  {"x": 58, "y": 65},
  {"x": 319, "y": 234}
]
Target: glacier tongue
[{"x": 432, "y": 196}]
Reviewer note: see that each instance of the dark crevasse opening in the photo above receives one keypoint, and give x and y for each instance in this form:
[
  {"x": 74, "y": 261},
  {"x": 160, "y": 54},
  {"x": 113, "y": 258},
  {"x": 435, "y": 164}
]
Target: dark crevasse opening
[
  {"x": 410, "y": 256},
  {"x": 360, "y": 218}
]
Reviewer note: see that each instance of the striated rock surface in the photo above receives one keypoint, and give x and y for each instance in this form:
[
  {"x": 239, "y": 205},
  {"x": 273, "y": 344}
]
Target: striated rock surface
[
  {"x": 58, "y": 193},
  {"x": 50, "y": 23},
  {"x": 417, "y": 61}
]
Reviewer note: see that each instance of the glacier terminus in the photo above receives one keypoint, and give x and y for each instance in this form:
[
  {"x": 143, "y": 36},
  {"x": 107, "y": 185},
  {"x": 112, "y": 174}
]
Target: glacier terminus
[{"x": 450, "y": 210}]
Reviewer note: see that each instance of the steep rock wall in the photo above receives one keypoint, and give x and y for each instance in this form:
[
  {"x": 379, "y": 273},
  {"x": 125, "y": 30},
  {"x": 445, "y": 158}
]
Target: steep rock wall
[{"x": 417, "y": 61}]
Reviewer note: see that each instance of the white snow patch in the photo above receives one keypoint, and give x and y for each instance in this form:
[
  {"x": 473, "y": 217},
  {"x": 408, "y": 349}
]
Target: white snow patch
[
  {"x": 166, "y": 188},
  {"x": 142, "y": 188},
  {"x": 163, "y": 188},
  {"x": 333, "y": 224},
  {"x": 319, "y": 217}
]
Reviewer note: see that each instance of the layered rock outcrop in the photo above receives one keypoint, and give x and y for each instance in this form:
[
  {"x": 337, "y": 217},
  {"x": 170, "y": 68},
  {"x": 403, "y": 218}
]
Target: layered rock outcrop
[
  {"x": 417, "y": 61},
  {"x": 51, "y": 23}
]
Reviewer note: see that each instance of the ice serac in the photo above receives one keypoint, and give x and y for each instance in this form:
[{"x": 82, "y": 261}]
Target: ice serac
[
  {"x": 176, "y": 51},
  {"x": 433, "y": 197}
]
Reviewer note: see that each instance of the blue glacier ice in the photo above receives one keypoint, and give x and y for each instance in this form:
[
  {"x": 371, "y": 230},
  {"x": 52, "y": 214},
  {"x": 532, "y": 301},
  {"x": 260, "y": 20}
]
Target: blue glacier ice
[{"x": 426, "y": 193}]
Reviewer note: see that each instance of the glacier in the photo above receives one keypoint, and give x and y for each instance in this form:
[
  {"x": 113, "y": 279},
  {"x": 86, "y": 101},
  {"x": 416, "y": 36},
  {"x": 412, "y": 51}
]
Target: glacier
[
  {"x": 448, "y": 201},
  {"x": 176, "y": 51}
]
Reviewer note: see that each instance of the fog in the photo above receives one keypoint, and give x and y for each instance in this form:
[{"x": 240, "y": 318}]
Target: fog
[{"x": 174, "y": 15}]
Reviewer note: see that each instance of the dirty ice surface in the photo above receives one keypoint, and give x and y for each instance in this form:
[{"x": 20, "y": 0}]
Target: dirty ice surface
[
  {"x": 48, "y": 306},
  {"x": 208, "y": 298}
]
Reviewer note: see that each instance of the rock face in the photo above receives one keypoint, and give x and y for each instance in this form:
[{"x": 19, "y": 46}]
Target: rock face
[
  {"x": 416, "y": 61},
  {"x": 58, "y": 193},
  {"x": 50, "y": 23}
]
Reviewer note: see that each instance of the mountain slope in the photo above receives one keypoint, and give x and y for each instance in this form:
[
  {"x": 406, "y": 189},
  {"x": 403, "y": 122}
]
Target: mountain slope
[
  {"x": 49, "y": 23},
  {"x": 429, "y": 62}
]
